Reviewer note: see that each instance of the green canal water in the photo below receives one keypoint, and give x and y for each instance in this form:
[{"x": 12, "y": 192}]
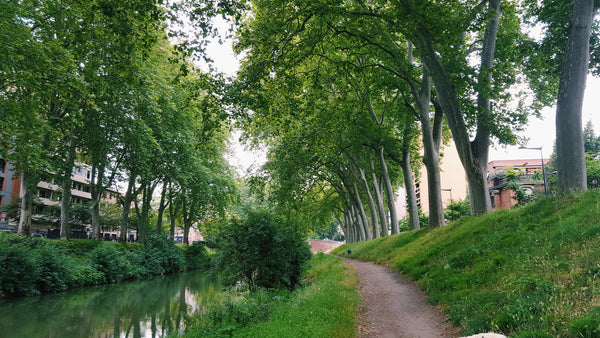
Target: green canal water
[{"x": 149, "y": 308}]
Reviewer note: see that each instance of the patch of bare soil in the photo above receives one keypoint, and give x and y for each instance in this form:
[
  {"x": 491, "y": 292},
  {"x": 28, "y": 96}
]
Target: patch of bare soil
[{"x": 393, "y": 306}]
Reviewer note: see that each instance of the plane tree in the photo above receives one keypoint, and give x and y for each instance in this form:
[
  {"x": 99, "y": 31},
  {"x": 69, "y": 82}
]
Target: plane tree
[{"x": 564, "y": 57}]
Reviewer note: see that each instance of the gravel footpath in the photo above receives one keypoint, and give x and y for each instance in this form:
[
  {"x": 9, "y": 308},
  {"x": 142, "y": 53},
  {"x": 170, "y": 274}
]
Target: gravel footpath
[{"x": 393, "y": 306}]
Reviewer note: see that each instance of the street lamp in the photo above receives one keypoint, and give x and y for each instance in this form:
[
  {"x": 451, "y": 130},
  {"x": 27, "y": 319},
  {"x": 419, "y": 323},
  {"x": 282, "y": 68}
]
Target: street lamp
[{"x": 543, "y": 169}]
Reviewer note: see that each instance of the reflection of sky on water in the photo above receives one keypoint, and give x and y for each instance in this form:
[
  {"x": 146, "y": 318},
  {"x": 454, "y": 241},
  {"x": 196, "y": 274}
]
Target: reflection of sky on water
[{"x": 149, "y": 308}]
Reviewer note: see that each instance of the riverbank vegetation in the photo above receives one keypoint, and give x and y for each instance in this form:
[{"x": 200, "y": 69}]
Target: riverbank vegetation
[
  {"x": 326, "y": 306},
  {"x": 32, "y": 266},
  {"x": 530, "y": 271}
]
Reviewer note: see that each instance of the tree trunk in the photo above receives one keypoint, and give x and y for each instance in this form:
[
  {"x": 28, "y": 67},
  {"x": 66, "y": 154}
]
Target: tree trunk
[
  {"x": 411, "y": 197},
  {"x": 473, "y": 155},
  {"x": 29, "y": 182},
  {"x": 379, "y": 200},
  {"x": 126, "y": 208},
  {"x": 360, "y": 229},
  {"x": 389, "y": 192},
  {"x": 431, "y": 151},
  {"x": 374, "y": 219},
  {"x": 173, "y": 211},
  {"x": 143, "y": 216},
  {"x": 570, "y": 152},
  {"x": 96, "y": 194},
  {"x": 65, "y": 202},
  {"x": 362, "y": 215},
  {"x": 161, "y": 208}
]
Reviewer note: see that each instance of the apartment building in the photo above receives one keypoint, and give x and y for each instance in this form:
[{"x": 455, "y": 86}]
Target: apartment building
[{"x": 527, "y": 174}]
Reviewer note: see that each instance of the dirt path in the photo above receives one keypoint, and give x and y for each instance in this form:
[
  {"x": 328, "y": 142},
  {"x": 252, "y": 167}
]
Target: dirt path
[{"x": 392, "y": 306}]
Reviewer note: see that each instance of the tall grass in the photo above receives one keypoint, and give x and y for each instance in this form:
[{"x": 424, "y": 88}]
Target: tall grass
[
  {"x": 533, "y": 271},
  {"x": 325, "y": 307}
]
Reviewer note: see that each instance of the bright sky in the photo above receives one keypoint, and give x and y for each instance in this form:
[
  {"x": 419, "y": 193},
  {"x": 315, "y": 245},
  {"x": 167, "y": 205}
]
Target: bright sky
[{"x": 541, "y": 132}]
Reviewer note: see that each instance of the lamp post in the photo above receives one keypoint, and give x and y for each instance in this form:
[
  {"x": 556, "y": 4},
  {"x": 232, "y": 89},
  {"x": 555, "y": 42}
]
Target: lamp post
[{"x": 543, "y": 169}]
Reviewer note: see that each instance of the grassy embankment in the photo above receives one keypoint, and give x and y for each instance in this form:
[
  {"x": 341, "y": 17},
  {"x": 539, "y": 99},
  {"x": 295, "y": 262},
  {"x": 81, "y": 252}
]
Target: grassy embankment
[
  {"x": 325, "y": 307},
  {"x": 533, "y": 271}
]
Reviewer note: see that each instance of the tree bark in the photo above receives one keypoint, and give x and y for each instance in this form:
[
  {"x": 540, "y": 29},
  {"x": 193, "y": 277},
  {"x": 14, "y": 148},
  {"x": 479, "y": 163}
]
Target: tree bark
[
  {"x": 28, "y": 183},
  {"x": 96, "y": 194},
  {"x": 411, "y": 197},
  {"x": 409, "y": 181},
  {"x": 379, "y": 200},
  {"x": 65, "y": 202},
  {"x": 126, "y": 208},
  {"x": 363, "y": 216},
  {"x": 370, "y": 202},
  {"x": 391, "y": 199},
  {"x": 473, "y": 155},
  {"x": 570, "y": 151},
  {"x": 161, "y": 208},
  {"x": 431, "y": 151}
]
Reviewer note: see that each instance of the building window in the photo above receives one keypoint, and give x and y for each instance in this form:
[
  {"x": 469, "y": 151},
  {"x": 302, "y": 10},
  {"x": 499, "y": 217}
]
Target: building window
[{"x": 2, "y": 165}]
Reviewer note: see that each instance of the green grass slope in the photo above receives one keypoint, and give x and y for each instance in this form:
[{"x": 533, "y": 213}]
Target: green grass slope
[{"x": 527, "y": 272}]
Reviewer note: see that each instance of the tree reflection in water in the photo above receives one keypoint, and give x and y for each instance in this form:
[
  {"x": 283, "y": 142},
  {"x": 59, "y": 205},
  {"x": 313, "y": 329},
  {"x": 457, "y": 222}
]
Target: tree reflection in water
[{"x": 149, "y": 308}]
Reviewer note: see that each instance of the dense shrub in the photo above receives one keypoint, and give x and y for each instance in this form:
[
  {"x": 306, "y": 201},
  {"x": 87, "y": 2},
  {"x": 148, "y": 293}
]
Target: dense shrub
[
  {"x": 18, "y": 270},
  {"x": 83, "y": 273},
  {"x": 159, "y": 255},
  {"x": 52, "y": 269},
  {"x": 196, "y": 257},
  {"x": 33, "y": 265},
  {"x": 457, "y": 209},
  {"x": 262, "y": 251},
  {"x": 110, "y": 261}
]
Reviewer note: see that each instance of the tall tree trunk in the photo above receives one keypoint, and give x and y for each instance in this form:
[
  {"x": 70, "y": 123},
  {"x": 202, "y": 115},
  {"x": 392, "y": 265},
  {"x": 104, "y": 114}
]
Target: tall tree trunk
[
  {"x": 411, "y": 197},
  {"x": 372, "y": 209},
  {"x": 186, "y": 220},
  {"x": 361, "y": 213},
  {"x": 473, "y": 155},
  {"x": 173, "y": 211},
  {"x": 96, "y": 194},
  {"x": 360, "y": 229},
  {"x": 161, "y": 208},
  {"x": 389, "y": 191},
  {"x": 143, "y": 214},
  {"x": 29, "y": 182},
  {"x": 431, "y": 150},
  {"x": 65, "y": 202},
  {"x": 379, "y": 199},
  {"x": 126, "y": 208},
  {"x": 570, "y": 153},
  {"x": 409, "y": 180}
]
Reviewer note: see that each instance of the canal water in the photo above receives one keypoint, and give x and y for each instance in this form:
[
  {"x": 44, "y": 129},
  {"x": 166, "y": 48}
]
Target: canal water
[{"x": 150, "y": 308}]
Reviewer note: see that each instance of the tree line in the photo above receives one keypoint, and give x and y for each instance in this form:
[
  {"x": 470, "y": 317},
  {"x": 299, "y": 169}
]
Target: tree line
[
  {"x": 101, "y": 83},
  {"x": 345, "y": 93}
]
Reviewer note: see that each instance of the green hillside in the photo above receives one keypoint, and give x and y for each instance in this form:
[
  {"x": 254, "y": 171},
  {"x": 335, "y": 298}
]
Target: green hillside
[{"x": 527, "y": 272}]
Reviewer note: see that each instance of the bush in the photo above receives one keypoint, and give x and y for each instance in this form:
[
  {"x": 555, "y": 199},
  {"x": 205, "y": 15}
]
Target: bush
[
  {"x": 18, "y": 270},
  {"x": 159, "y": 255},
  {"x": 196, "y": 257},
  {"x": 51, "y": 268},
  {"x": 110, "y": 261},
  {"x": 262, "y": 251},
  {"x": 82, "y": 273},
  {"x": 457, "y": 209}
]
